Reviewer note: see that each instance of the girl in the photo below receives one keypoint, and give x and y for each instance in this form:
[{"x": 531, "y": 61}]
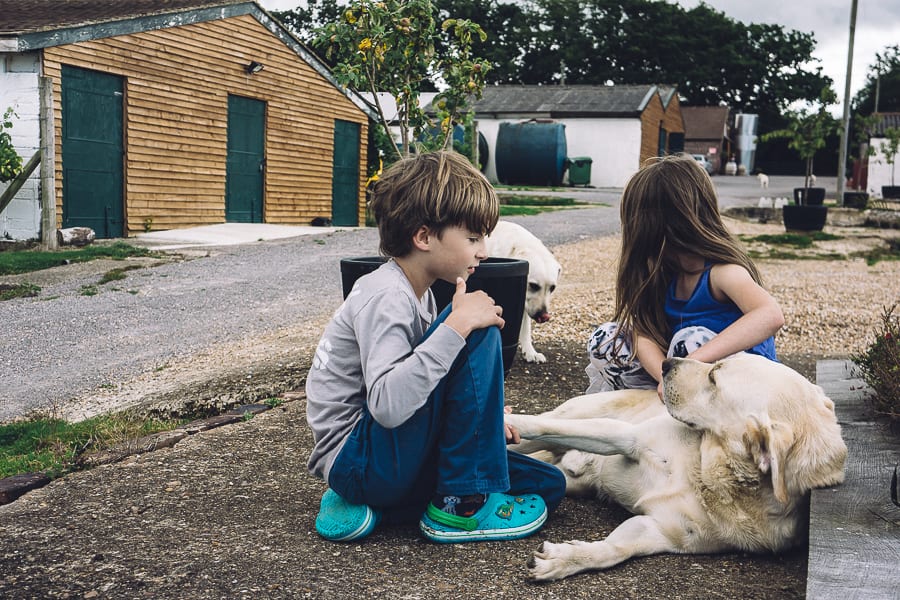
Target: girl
[{"x": 684, "y": 287}]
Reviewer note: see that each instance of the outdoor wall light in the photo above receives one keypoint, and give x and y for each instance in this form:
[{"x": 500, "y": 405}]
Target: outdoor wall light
[{"x": 254, "y": 67}]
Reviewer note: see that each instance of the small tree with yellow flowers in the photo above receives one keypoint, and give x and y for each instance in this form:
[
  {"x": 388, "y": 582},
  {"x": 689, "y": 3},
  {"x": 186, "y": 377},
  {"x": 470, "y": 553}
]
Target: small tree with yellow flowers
[{"x": 394, "y": 46}]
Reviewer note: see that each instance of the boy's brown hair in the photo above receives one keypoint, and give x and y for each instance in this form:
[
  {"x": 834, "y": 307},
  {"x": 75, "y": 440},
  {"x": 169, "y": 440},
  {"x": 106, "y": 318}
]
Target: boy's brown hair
[{"x": 436, "y": 189}]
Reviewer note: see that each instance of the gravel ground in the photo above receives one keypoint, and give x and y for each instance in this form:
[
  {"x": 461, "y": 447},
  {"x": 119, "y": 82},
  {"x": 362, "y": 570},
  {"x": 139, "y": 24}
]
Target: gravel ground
[{"x": 229, "y": 512}]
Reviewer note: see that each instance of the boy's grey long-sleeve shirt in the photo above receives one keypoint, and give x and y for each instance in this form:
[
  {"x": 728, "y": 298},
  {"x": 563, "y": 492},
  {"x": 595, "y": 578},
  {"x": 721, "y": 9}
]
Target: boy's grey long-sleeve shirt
[{"x": 370, "y": 356}]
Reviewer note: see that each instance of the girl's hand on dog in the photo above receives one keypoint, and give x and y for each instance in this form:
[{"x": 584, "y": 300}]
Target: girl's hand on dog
[
  {"x": 512, "y": 434},
  {"x": 473, "y": 311}
]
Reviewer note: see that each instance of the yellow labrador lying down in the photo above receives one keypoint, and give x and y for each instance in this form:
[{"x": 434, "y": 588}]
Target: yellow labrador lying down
[{"x": 725, "y": 464}]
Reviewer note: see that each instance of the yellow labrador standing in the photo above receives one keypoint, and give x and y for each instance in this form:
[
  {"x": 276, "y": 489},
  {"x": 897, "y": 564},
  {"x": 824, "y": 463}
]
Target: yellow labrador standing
[
  {"x": 510, "y": 240},
  {"x": 725, "y": 464}
]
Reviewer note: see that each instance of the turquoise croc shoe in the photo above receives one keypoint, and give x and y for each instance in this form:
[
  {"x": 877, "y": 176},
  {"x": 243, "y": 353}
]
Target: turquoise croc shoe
[
  {"x": 503, "y": 517},
  {"x": 340, "y": 521}
]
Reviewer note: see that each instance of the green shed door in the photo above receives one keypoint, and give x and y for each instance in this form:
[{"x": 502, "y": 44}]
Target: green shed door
[
  {"x": 92, "y": 154},
  {"x": 345, "y": 175},
  {"x": 246, "y": 160}
]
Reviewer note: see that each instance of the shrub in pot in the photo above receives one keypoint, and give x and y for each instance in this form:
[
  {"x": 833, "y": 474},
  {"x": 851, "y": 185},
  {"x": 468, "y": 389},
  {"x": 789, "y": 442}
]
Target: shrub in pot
[{"x": 807, "y": 131}]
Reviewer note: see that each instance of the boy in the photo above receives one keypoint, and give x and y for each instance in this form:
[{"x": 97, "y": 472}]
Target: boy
[{"x": 406, "y": 407}]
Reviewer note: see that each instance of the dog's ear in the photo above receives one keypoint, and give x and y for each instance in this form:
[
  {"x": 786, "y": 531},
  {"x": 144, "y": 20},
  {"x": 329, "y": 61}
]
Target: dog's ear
[{"x": 769, "y": 443}]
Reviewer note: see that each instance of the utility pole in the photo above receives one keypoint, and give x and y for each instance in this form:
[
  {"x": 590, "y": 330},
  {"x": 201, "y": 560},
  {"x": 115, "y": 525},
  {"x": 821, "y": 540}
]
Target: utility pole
[{"x": 845, "y": 123}]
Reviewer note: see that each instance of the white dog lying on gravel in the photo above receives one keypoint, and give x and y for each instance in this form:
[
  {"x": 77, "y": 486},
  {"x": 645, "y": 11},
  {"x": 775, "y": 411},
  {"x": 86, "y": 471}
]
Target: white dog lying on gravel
[
  {"x": 725, "y": 464},
  {"x": 510, "y": 240}
]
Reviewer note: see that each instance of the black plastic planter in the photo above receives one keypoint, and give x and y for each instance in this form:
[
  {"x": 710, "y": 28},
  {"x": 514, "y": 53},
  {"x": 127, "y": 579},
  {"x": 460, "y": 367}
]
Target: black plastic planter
[
  {"x": 891, "y": 192},
  {"x": 856, "y": 200},
  {"x": 804, "y": 218},
  {"x": 503, "y": 279},
  {"x": 812, "y": 196}
]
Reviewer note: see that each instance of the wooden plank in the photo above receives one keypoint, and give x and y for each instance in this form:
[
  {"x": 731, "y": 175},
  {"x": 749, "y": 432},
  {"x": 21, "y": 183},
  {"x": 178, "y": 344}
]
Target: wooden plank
[{"x": 854, "y": 534}]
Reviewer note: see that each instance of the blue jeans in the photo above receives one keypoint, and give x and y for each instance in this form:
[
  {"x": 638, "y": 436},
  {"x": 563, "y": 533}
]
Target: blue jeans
[{"x": 453, "y": 445}]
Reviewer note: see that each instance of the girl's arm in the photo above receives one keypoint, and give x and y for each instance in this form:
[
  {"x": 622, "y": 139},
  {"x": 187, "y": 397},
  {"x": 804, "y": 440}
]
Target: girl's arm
[
  {"x": 650, "y": 356},
  {"x": 762, "y": 316}
]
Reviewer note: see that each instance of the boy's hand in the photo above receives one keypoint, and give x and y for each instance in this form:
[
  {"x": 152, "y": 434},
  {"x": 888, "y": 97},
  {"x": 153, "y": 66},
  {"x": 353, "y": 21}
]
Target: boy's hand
[{"x": 473, "y": 311}]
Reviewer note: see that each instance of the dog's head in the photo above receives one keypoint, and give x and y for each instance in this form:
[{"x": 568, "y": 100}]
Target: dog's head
[
  {"x": 769, "y": 412},
  {"x": 543, "y": 276}
]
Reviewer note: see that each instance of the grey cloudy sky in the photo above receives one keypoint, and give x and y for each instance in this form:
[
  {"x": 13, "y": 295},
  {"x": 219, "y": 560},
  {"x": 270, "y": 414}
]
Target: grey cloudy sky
[{"x": 877, "y": 26}]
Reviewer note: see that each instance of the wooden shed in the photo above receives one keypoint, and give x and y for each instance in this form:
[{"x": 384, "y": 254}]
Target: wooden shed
[
  {"x": 166, "y": 114},
  {"x": 617, "y": 127}
]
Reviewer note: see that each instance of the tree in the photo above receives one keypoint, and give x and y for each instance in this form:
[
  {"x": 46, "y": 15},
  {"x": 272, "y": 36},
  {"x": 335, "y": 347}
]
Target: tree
[
  {"x": 303, "y": 21},
  {"x": 807, "y": 130},
  {"x": 396, "y": 46},
  {"x": 884, "y": 78}
]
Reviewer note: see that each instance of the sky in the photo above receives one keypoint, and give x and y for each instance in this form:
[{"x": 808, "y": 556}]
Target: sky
[{"x": 877, "y": 26}]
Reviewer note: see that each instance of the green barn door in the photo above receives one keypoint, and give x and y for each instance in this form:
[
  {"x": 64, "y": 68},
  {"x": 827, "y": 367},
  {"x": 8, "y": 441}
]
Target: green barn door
[
  {"x": 246, "y": 160},
  {"x": 345, "y": 175},
  {"x": 92, "y": 153}
]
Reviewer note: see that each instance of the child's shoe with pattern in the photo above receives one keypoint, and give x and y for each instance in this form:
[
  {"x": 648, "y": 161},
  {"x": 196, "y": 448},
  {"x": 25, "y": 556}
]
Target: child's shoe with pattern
[
  {"x": 340, "y": 521},
  {"x": 503, "y": 517}
]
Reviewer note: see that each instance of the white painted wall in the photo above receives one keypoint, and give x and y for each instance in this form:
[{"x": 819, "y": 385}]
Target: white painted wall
[
  {"x": 613, "y": 145},
  {"x": 879, "y": 170},
  {"x": 21, "y": 220}
]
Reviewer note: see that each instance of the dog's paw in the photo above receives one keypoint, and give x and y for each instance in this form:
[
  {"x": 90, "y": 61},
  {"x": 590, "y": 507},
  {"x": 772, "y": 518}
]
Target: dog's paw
[
  {"x": 533, "y": 356},
  {"x": 554, "y": 561}
]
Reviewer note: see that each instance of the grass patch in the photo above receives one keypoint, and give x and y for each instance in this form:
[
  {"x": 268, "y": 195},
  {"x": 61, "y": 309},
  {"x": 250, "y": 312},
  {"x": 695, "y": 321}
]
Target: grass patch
[
  {"x": 795, "y": 240},
  {"x": 18, "y": 290},
  {"x": 26, "y": 261},
  {"x": 536, "y": 200},
  {"x": 52, "y": 446}
]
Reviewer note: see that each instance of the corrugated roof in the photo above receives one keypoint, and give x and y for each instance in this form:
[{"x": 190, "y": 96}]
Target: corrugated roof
[
  {"x": 18, "y": 17},
  {"x": 705, "y": 122},
  {"x": 565, "y": 100}
]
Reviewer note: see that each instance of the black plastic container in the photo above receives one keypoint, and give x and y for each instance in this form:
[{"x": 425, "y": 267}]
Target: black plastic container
[{"x": 503, "y": 279}]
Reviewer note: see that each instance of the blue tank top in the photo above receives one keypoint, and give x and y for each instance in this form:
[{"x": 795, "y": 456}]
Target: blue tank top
[{"x": 704, "y": 310}]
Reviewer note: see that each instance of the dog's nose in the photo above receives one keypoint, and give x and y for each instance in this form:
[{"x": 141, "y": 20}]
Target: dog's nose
[{"x": 667, "y": 365}]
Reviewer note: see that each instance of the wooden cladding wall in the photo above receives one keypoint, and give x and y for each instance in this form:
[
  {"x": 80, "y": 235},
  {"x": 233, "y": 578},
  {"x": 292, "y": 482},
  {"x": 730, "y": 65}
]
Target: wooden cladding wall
[
  {"x": 653, "y": 115},
  {"x": 177, "y": 83}
]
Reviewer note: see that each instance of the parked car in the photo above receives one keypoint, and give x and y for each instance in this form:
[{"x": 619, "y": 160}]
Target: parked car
[{"x": 705, "y": 163}]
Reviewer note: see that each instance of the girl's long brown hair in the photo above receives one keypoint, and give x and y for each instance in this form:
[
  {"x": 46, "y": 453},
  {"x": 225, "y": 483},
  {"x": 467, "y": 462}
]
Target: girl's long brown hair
[{"x": 668, "y": 207}]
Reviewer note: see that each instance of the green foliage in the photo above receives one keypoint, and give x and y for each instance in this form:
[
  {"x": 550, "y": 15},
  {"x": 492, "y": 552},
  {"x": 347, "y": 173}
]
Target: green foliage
[
  {"x": 807, "y": 130},
  {"x": 396, "y": 46},
  {"x": 10, "y": 161},
  {"x": 25, "y": 261},
  {"x": 879, "y": 364}
]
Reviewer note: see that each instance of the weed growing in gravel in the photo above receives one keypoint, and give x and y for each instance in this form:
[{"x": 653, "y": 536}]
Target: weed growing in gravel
[
  {"x": 18, "y": 290},
  {"x": 117, "y": 274},
  {"x": 892, "y": 252},
  {"x": 880, "y": 365}
]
